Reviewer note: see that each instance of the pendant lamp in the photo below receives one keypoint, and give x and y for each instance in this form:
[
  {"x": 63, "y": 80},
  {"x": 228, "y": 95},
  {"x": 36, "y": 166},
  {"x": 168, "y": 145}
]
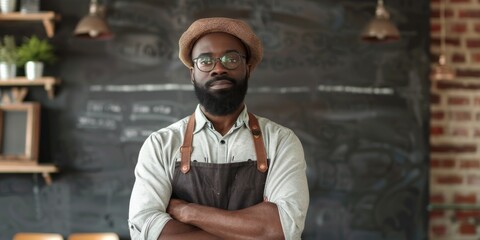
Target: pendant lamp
[
  {"x": 94, "y": 25},
  {"x": 380, "y": 28},
  {"x": 441, "y": 71}
]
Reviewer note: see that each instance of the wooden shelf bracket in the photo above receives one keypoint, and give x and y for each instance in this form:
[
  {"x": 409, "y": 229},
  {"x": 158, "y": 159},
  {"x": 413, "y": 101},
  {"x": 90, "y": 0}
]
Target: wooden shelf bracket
[
  {"x": 47, "y": 82},
  {"x": 44, "y": 169}
]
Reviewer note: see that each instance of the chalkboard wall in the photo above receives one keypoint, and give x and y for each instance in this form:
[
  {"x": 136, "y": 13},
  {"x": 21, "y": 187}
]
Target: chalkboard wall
[{"x": 360, "y": 110}]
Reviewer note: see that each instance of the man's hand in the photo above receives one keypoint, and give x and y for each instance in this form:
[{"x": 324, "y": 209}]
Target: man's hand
[
  {"x": 176, "y": 229},
  {"x": 177, "y": 209},
  {"x": 260, "y": 221}
]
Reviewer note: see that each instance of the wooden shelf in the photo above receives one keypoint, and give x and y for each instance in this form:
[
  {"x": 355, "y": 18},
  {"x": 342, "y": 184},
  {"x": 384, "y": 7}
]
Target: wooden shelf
[
  {"x": 47, "y": 82},
  {"x": 47, "y": 18},
  {"x": 44, "y": 169}
]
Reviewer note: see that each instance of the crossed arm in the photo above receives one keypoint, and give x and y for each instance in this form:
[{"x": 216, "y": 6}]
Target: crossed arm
[{"x": 260, "y": 221}]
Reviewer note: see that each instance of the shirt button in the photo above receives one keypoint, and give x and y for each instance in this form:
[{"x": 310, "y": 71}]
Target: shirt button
[{"x": 222, "y": 141}]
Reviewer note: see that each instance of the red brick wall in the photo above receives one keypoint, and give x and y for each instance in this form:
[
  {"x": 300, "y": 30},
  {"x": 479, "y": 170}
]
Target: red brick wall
[{"x": 455, "y": 124}]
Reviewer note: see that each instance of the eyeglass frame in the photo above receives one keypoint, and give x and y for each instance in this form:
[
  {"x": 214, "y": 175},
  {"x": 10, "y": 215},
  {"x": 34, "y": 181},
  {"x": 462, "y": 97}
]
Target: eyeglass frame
[{"x": 215, "y": 60}]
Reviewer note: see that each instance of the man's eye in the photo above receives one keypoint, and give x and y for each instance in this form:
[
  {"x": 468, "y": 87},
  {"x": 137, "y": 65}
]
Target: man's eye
[
  {"x": 205, "y": 61},
  {"x": 230, "y": 60}
]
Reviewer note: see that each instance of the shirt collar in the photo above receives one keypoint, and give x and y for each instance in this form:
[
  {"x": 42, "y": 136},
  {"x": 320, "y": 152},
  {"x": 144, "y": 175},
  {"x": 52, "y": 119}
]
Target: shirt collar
[{"x": 201, "y": 120}]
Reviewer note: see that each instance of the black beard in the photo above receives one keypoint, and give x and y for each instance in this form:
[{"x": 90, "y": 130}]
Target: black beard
[{"x": 221, "y": 102}]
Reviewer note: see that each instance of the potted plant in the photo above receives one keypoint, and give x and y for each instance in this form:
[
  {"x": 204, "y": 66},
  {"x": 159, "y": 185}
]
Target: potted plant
[
  {"x": 8, "y": 58},
  {"x": 33, "y": 53}
]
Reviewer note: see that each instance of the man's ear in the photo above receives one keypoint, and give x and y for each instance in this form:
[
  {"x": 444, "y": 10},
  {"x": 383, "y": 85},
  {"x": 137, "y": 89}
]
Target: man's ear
[
  {"x": 192, "y": 79},
  {"x": 247, "y": 75}
]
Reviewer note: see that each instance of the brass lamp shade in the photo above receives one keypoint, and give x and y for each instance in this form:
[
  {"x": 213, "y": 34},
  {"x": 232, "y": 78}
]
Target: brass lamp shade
[
  {"x": 380, "y": 29},
  {"x": 93, "y": 25},
  {"x": 441, "y": 71}
]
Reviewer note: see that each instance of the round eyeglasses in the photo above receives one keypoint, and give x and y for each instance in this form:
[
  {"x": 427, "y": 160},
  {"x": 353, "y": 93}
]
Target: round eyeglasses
[{"x": 229, "y": 61}]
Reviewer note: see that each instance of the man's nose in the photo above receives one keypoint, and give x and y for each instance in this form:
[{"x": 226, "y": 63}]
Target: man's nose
[{"x": 218, "y": 69}]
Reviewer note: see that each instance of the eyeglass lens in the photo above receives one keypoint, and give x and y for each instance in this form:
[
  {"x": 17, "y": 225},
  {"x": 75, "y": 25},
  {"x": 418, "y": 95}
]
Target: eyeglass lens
[{"x": 230, "y": 61}]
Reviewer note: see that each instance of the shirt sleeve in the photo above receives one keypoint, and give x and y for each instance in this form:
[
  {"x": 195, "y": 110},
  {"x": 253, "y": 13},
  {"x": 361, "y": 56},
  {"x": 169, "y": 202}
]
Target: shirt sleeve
[
  {"x": 151, "y": 192},
  {"x": 286, "y": 184}
]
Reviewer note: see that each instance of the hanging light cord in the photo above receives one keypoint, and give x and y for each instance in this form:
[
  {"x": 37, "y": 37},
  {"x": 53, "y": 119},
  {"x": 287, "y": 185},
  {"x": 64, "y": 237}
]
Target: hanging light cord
[{"x": 442, "y": 25}]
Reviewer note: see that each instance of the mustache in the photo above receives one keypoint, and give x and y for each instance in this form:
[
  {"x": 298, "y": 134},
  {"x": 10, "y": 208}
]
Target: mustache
[{"x": 219, "y": 78}]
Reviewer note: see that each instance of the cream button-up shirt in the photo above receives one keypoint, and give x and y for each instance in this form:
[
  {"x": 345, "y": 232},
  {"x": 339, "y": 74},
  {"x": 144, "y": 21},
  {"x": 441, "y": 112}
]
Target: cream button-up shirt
[{"x": 286, "y": 183}]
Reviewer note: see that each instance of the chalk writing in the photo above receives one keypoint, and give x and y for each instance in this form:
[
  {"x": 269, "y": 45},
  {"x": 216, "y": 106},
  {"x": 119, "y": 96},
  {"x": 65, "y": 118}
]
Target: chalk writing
[
  {"x": 146, "y": 49},
  {"x": 136, "y": 134},
  {"x": 104, "y": 107},
  {"x": 153, "y": 110},
  {"x": 140, "y": 16},
  {"x": 96, "y": 122}
]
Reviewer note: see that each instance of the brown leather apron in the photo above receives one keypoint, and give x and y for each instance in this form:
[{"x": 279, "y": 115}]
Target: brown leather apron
[{"x": 229, "y": 186}]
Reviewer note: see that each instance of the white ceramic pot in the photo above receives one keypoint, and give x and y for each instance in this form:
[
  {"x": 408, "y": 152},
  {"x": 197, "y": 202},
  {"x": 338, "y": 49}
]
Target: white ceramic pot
[
  {"x": 33, "y": 70},
  {"x": 7, "y": 70},
  {"x": 30, "y": 6},
  {"x": 8, "y": 6}
]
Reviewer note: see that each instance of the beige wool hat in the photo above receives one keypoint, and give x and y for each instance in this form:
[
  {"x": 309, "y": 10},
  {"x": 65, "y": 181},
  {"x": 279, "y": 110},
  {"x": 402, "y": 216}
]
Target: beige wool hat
[{"x": 235, "y": 27}]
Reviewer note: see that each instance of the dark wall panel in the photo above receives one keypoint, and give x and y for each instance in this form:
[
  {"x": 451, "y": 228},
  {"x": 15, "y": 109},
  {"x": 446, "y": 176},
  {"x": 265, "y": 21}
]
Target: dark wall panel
[{"x": 360, "y": 110}]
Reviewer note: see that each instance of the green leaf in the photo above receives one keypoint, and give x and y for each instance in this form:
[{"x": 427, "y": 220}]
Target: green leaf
[
  {"x": 8, "y": 50},
  {"x": 35, "y": 49}
]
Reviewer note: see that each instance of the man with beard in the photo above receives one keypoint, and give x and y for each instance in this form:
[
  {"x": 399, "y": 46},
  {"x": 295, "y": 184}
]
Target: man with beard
[{"x": 222, "y": 173}]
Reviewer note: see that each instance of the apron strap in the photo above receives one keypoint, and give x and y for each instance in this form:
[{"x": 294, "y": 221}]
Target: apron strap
[
  {"x": 258, "y": 141},
  {"x": 186, "y": 148}
]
